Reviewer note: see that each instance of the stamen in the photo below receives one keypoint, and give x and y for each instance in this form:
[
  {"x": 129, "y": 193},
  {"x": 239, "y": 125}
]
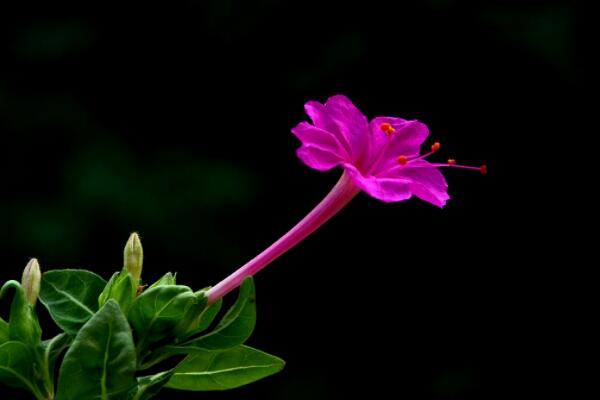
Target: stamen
[
  {"x": 434, "y": 148},
  {"x": 403, "y": 160},
  {"x": 387, "y": 128},
  {"x": 452, "y": 163}
]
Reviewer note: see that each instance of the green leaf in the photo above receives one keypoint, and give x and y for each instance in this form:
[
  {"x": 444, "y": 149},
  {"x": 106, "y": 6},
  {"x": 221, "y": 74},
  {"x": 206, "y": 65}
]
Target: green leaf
[
  {"x": 207, "y": 317},
  {"x": 23, "y": 325},
  {"x": 208, "y": 370},
  {"x": 167, "y": 279},
  {"x": 101, "y": 361},
  {"x": 3, "y": 331},
  {"x": 52, "y": 349},
  {"x": 192, "y": 316},
  {"x": 149, "y": 386},
  {"x": 120, "y": 287},
  {"x": 16, "y": 367},
  {"x": 201, "y": 324},
  {"x": 234, "y": 329},
  {"x": 156, "y": 312},
  {"x": 71, "y": 297}
]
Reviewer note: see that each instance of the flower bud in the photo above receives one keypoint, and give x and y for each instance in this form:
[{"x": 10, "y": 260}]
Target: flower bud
[
  {"x": 32, "y": 277},
  {"x": 133, "y": 257}
]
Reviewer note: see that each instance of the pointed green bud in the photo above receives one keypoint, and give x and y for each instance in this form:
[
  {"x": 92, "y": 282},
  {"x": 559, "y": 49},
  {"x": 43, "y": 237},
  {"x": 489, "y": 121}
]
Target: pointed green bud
[
  {"x": 133, "y": 257},
  {"x": 32, "y": 277}
]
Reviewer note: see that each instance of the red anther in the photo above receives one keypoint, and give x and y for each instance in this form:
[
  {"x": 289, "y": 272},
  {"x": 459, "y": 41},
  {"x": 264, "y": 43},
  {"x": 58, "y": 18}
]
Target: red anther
[
  {"x": 387, "y": 128},
  {"x": 402, "y": 160},
  {"x": 483, "y": 169},
  {"x": 451, "y": 161},
  {"x": 435, "y": 147}
]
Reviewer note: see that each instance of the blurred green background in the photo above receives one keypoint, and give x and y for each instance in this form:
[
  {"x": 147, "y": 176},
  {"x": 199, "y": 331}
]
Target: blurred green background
[{"x": 172, "y": 119}]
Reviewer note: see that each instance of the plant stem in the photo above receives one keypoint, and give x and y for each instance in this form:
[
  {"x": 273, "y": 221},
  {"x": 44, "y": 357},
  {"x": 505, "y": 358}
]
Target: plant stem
[{"x": 341, "y": 194}]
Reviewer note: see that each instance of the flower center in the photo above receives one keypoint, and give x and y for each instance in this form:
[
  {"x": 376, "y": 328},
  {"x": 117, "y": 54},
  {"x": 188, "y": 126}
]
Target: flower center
[{"x": 404, "y": 160}]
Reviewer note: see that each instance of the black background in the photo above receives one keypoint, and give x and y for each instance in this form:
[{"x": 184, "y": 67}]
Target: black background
[{"x": 173, "y": 120}]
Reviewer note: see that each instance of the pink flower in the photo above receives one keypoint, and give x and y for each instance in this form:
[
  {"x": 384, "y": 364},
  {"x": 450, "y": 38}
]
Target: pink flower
[{"x": 380, "y": 157}]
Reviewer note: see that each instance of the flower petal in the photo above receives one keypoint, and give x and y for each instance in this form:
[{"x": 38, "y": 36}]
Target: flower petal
[
  {"x": 325, "y": 140},
  {"x": 340, "y": 117},
  {"x": 426, "y": 181},
  {"x": 320, "y": 117},
  {"x": 352, "y": 124},
  {"x": 318, "y": 158},
  {"x": 385, "y": 189},
  {"x": 322, "y": 120},
  {"x": 385, "y": 148}
]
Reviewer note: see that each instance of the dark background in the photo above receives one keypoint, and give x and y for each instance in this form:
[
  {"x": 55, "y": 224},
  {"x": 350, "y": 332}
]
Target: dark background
[{"x": 173, "y": 120}]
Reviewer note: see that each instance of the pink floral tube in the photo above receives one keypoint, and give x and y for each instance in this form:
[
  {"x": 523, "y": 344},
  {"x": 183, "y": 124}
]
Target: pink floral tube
[{"x": 380, "y": 157}]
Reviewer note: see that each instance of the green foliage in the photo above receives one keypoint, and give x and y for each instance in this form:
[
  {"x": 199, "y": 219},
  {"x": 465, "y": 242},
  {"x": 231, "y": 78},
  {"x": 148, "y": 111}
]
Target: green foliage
[
  {"x": 23, "y": 322},
  {"x": 207, "y": 317},
  {"x": 156, "y": 312},
  {"x": 52, "y": 349},
  {"x": 192, "y": 316},
  {"x": 16, "y": 365},
  {"x": 149, "y": 386},
  {"x": 167, "y": 279},
  {"x": 71, "y": 297},
  {"x": 4, "y": 335},
  {"x": 101, "y": 361},
  {"x": 203, "y": 320},
  {"x": 209, "y": 370},
  {"x": 234, "y": 329},
  {"x": 113, "y": 333},
  {"x": 21, "y": 363},
  {"x": 122, "y": 288}
]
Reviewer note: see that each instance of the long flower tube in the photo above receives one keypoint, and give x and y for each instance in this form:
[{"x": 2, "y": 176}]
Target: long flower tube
[
  {"x": 341, "y": 194},
  {"x": 380, "y": 157}
]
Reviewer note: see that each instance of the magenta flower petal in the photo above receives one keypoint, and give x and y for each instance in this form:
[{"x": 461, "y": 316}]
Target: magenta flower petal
[
  {"x": 341, "y": 118},
  {"x": 322, "y": 119},
  {"x": 384, "y": 189},
  {"x": 426, "y": 181},
  {"x": 381, "y": 130},
  {"x": 325, "y": 141},
  {"x": 318, "y": 158},
  {"x": 352, "y": 124},
  {"x": 405, "y": 138},
  {"x": 428, "y": 184}
]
